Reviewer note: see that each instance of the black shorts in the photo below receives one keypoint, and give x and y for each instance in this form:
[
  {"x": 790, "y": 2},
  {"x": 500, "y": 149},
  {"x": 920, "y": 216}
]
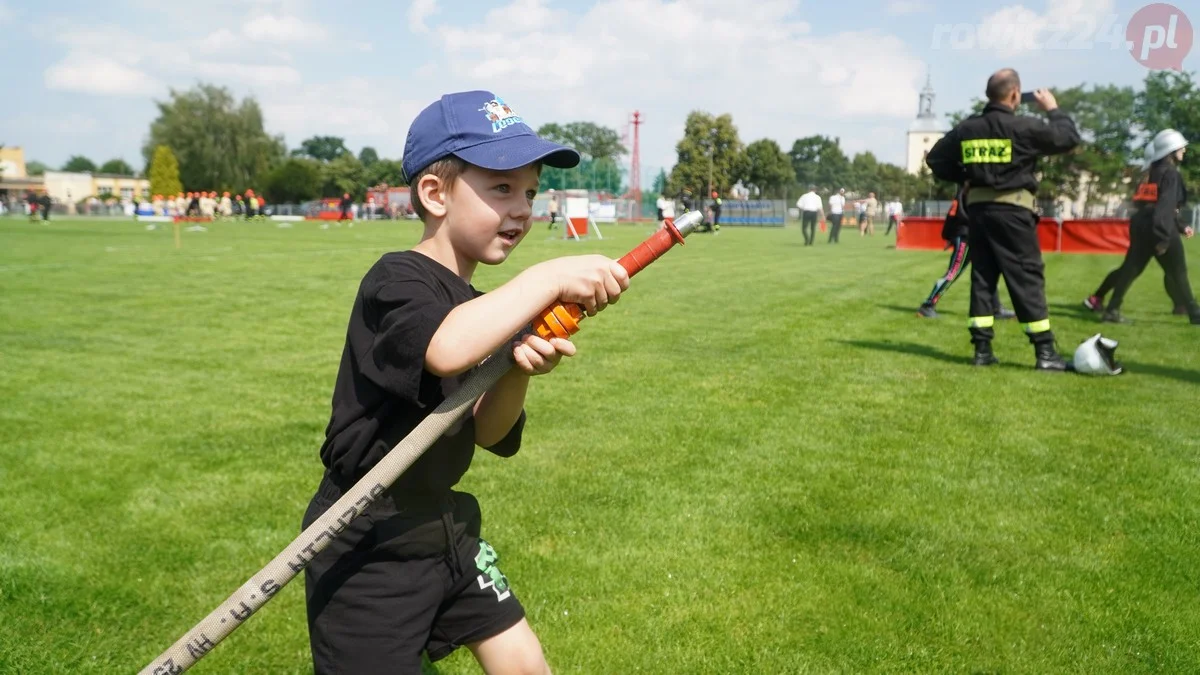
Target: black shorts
[{"x": 399, "y": 582}]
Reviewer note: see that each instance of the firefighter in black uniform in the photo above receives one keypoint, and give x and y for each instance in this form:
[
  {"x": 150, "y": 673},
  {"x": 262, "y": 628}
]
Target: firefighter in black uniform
[
  {"x": 996, "y": 152},
  {"x": 1155, "y": 230}
]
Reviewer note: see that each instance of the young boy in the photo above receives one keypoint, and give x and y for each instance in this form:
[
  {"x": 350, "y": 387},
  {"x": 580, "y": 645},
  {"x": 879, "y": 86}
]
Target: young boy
[{"x": 412, "y": 574}]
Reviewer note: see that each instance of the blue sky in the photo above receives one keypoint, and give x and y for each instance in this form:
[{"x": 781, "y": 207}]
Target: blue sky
[{"x": 83, "y": 76}]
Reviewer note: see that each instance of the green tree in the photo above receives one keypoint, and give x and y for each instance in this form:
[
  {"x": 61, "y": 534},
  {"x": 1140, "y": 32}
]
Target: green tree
[
  {"x": 819, "y": 160},
  {"x": 344, "y": 174},
  {"x": 322, "y": 148},
  {"x": 768, "y": 168},
  {"x": 1171, "y": 100},
  {"x": 865, "y": 173},
  {"x": 660, "y": 183},
  {"x": 709, "y": 154},
  {"x": 118, "y": 166},
  {"x": 164, "y": 172},
  {"x": 297, "y": 179},
  {"x": 220, "y": 143},
  {"x": 599, "y": 168},
  {"x": 79, "y": 163},
  {"x": 385, "y": 172},
  {"x": 35, "y": 168},
  {"x": 368, "y": 156},
  {"x": 591, "y": 140}
]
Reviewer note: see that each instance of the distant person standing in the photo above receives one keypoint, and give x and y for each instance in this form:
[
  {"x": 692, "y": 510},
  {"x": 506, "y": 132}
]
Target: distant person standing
[
  {"x": 715, "y": 207},
  {"x": 226, "y": 206},
  {"x": 552, "y": 209},
  {"x": 810, "y": 208},
  {"x": 668, "y": 211},
  {"x": 686, "y": 200},
  {"x": 345, "y": 206},
  {"x": 870, "y": 210},
  {"x": 894, "y": 210},
  {"x": 660, "y": 206},
  {"x": 46, "y": 207},
  {"x": 251, "y": 204},
  {"x": 837, "y": 206}
]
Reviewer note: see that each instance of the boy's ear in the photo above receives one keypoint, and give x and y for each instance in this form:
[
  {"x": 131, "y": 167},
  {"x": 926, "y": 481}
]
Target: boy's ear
[{"x": 432, "y": 193}]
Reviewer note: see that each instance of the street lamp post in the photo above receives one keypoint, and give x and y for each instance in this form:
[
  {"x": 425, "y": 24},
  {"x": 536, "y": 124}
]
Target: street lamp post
[{"x": 712, "y": 146}]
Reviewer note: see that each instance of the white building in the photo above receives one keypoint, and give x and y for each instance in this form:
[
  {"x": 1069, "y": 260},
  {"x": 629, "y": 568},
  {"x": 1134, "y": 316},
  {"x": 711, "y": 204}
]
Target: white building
[
  {"x": 68, "y": 187},
  {"x": 924, "y": 131}
]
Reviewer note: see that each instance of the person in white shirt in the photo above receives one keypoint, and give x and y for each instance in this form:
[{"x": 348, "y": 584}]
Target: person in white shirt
[
  {"x": 810, "y": 206},
  {"x": 837, "y": 205},
  {"x": 894, "y": 210}
]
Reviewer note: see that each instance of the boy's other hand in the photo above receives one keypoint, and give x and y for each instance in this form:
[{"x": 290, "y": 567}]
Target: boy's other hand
[
  {"x": 592, "y": 281},
  {"x": 535, "y": 356}
]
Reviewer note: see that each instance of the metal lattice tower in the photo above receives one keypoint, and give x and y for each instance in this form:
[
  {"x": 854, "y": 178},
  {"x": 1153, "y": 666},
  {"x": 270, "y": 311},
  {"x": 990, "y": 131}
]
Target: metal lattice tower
[{"x": 635, "y": 163}]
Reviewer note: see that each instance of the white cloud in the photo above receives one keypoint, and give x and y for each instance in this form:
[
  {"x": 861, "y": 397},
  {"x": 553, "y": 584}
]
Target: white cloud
[
  {"x": 1016, "y": 29},
  {"x": 93, "y": 74},
  {"x": 758, "y": 61},
  {"x": 258, "y": 76},
  {"x": 70, "y": 123},
  {"x": 7, "y": 14},
  {"x": 271, "y": 28},
  {"x": 898, "y": 7},
  {"x": 356, "y": 108},
  {"x": 418, "y": 12},
  {"x": 112, "y": 60},
  {"x": 218, "y": 40}
]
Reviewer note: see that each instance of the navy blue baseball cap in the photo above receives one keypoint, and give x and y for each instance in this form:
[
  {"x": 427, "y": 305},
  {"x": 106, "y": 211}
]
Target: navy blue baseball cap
[{"x": 479, "y": 128}]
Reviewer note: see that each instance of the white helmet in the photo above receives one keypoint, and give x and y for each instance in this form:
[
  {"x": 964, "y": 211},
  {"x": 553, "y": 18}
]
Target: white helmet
[
  {"x": 1165, "y": 142},
  {"x": 1096, "y": 356}
]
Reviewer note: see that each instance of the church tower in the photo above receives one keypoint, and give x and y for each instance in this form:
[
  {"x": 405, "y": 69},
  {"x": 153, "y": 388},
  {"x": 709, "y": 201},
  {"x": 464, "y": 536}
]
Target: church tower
[{"x": 924, "y": 131}]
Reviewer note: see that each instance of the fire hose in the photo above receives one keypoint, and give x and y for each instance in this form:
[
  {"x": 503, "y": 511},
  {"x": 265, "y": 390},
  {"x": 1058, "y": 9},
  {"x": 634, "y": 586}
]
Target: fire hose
[{"x": 559, "y": 320}]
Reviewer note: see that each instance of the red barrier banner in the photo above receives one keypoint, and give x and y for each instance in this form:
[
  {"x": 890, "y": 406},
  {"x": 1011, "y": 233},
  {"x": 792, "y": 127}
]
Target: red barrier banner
[
  {"x": 1049, "y": 234},
  {"x": 1106, "y": 235},
  {"x": 918, "y": 233},
  {"x": 1109, "y": 235}
]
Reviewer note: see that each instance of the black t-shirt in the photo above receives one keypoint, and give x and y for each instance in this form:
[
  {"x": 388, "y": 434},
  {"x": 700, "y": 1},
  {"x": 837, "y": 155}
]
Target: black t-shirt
[{"x": 383, "y": 390}]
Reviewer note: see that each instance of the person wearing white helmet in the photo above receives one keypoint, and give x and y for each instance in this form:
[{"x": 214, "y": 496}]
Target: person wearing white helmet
[
  {"x": 1095, "y": 301},
  {"x": 1155, "y": 229}
]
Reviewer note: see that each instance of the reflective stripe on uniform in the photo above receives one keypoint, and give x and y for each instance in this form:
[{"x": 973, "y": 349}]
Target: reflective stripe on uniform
[
  {"x": 982, "y": 321},
  {"x": 1038, "y": 326},
  {"x": 987, "y": 151}
]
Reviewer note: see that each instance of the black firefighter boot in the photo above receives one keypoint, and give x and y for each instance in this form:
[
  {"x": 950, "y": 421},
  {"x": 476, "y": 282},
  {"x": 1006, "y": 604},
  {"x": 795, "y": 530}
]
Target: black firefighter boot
[
  {"x": 1048, "y": 359},
  {"x": 983, "y": 354}
]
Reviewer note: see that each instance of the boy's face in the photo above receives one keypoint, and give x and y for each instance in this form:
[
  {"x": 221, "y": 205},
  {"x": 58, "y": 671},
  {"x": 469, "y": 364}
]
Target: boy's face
[{"x": 488, "y": 212}]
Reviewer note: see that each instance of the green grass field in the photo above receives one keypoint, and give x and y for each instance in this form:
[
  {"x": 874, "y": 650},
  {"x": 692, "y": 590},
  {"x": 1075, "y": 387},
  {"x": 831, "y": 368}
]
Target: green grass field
[{"x": 760, "y": 461}]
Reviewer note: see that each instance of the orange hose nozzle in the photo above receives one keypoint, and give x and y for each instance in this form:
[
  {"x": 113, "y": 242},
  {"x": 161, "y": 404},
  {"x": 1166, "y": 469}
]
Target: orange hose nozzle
[{"x": 562, "y": 319}]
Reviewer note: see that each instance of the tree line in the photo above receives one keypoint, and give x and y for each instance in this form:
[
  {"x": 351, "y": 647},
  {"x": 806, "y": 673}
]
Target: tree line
[
  {"x": 1115, "y": 122},
  {"x": 211, "y": 141},
  {"x": 219, "y": 143}
]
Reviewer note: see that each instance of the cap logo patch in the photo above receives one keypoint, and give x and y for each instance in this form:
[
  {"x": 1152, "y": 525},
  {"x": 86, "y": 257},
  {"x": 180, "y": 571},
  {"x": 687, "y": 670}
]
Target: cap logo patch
[{"x": 500, "y": 115}]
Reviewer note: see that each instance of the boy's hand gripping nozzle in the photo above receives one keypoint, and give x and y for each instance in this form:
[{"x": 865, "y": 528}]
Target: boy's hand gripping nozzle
[{"x": 562, "y": 320}]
